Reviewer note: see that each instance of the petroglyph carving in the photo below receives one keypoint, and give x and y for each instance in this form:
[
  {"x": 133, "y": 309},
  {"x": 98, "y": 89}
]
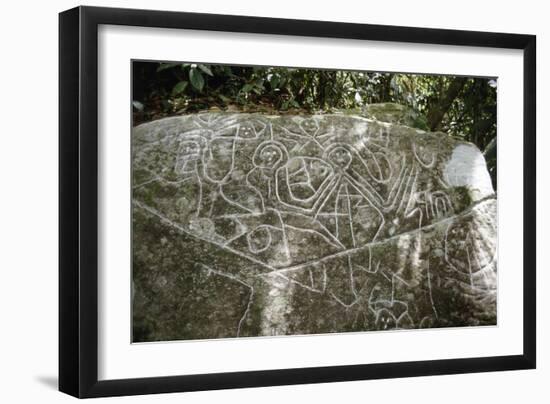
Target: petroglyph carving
[{"x": 274, "y": 225}]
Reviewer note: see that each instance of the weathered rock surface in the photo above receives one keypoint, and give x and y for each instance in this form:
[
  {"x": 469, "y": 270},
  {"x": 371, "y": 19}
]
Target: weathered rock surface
[{"x": 248, "y": 225}]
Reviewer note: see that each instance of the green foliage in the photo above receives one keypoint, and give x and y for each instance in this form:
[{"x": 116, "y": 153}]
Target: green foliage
[
  {"x": 197, "y": 81},
  {"x": 206, "y": 69},
  {"x": 462, "y": 107},
  {"x": 179, "y": 88}
]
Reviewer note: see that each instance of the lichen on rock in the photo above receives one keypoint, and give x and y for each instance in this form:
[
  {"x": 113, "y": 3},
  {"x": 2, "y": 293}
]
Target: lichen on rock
[{"x": 251, "y": 225}]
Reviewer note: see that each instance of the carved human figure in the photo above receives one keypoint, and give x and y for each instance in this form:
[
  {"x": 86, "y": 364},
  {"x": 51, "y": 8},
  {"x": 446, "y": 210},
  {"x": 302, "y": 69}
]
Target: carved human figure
[
  {"x": 189, "y": 154},
  {"x": 188, "y": 172},
  {"x": 268, "y": 156},
  {"x": 467, "y": 249}
]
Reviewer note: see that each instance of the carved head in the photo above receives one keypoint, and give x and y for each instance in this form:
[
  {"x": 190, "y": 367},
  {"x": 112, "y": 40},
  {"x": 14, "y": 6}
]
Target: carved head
[
  {"x": 340, "y": 157},
  {"x": 268, "y": 155},
  {"x": 189, "y": 150},
  {"x": 189, "y": 153}
]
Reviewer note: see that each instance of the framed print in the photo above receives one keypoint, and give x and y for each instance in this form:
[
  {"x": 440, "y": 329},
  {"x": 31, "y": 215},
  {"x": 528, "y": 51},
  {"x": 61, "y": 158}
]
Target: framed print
[{"x": 251, "y": 201}]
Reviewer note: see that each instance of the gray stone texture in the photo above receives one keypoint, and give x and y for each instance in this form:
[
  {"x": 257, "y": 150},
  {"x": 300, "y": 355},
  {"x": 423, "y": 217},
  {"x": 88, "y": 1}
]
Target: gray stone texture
[{"x": 255, "y": 225}]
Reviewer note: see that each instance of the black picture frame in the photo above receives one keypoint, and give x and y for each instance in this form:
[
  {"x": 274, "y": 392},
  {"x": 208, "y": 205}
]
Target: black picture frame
[{"x": 78, "y": 201}]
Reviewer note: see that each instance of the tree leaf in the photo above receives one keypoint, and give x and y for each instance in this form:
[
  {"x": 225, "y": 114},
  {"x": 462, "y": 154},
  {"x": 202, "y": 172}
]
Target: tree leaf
[
  {"x": 180, "y": 87},
  {"x": 137, "y": 105},
  {"x": 197, "y": 81},
  {"x": 247, "y": 88},
  {"x": 164, "y": 66},
  {"x": 206, "y": 69},
  {"x": 274, "y": 82},
  {"x": 225, "y": 99},
  {"x": 228, "y": 72}
]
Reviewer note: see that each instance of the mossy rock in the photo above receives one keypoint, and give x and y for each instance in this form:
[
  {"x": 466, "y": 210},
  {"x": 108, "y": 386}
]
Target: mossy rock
[{"x": 255, "y": 225}]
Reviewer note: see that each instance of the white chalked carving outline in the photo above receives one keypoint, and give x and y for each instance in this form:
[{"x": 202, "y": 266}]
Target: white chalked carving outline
[
  {"x": 234, "y": 278},
  {"x": 429, "y": 277},
  {"x": 429, "y": 165},
  {"x": 469, "y": 235},
  {"x": 395, "y": 199}
]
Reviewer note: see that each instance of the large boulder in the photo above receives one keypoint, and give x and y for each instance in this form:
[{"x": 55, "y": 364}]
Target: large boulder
[{"x": 249, "y": 225}]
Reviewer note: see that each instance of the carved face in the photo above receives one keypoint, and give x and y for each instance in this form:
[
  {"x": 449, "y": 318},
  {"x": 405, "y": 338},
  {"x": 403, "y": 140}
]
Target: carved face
[
  {"x": 340, "y": 157},
  {"x": 189, "y": 150},
  {"x": 246, "y": 131},
  {"x": 310, "y": 126},
  {"x": 269, "y": 156}
]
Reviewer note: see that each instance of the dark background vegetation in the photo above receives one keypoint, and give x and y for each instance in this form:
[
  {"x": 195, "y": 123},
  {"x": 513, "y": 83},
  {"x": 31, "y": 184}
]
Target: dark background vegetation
[{"x": 463, "y": 107}]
